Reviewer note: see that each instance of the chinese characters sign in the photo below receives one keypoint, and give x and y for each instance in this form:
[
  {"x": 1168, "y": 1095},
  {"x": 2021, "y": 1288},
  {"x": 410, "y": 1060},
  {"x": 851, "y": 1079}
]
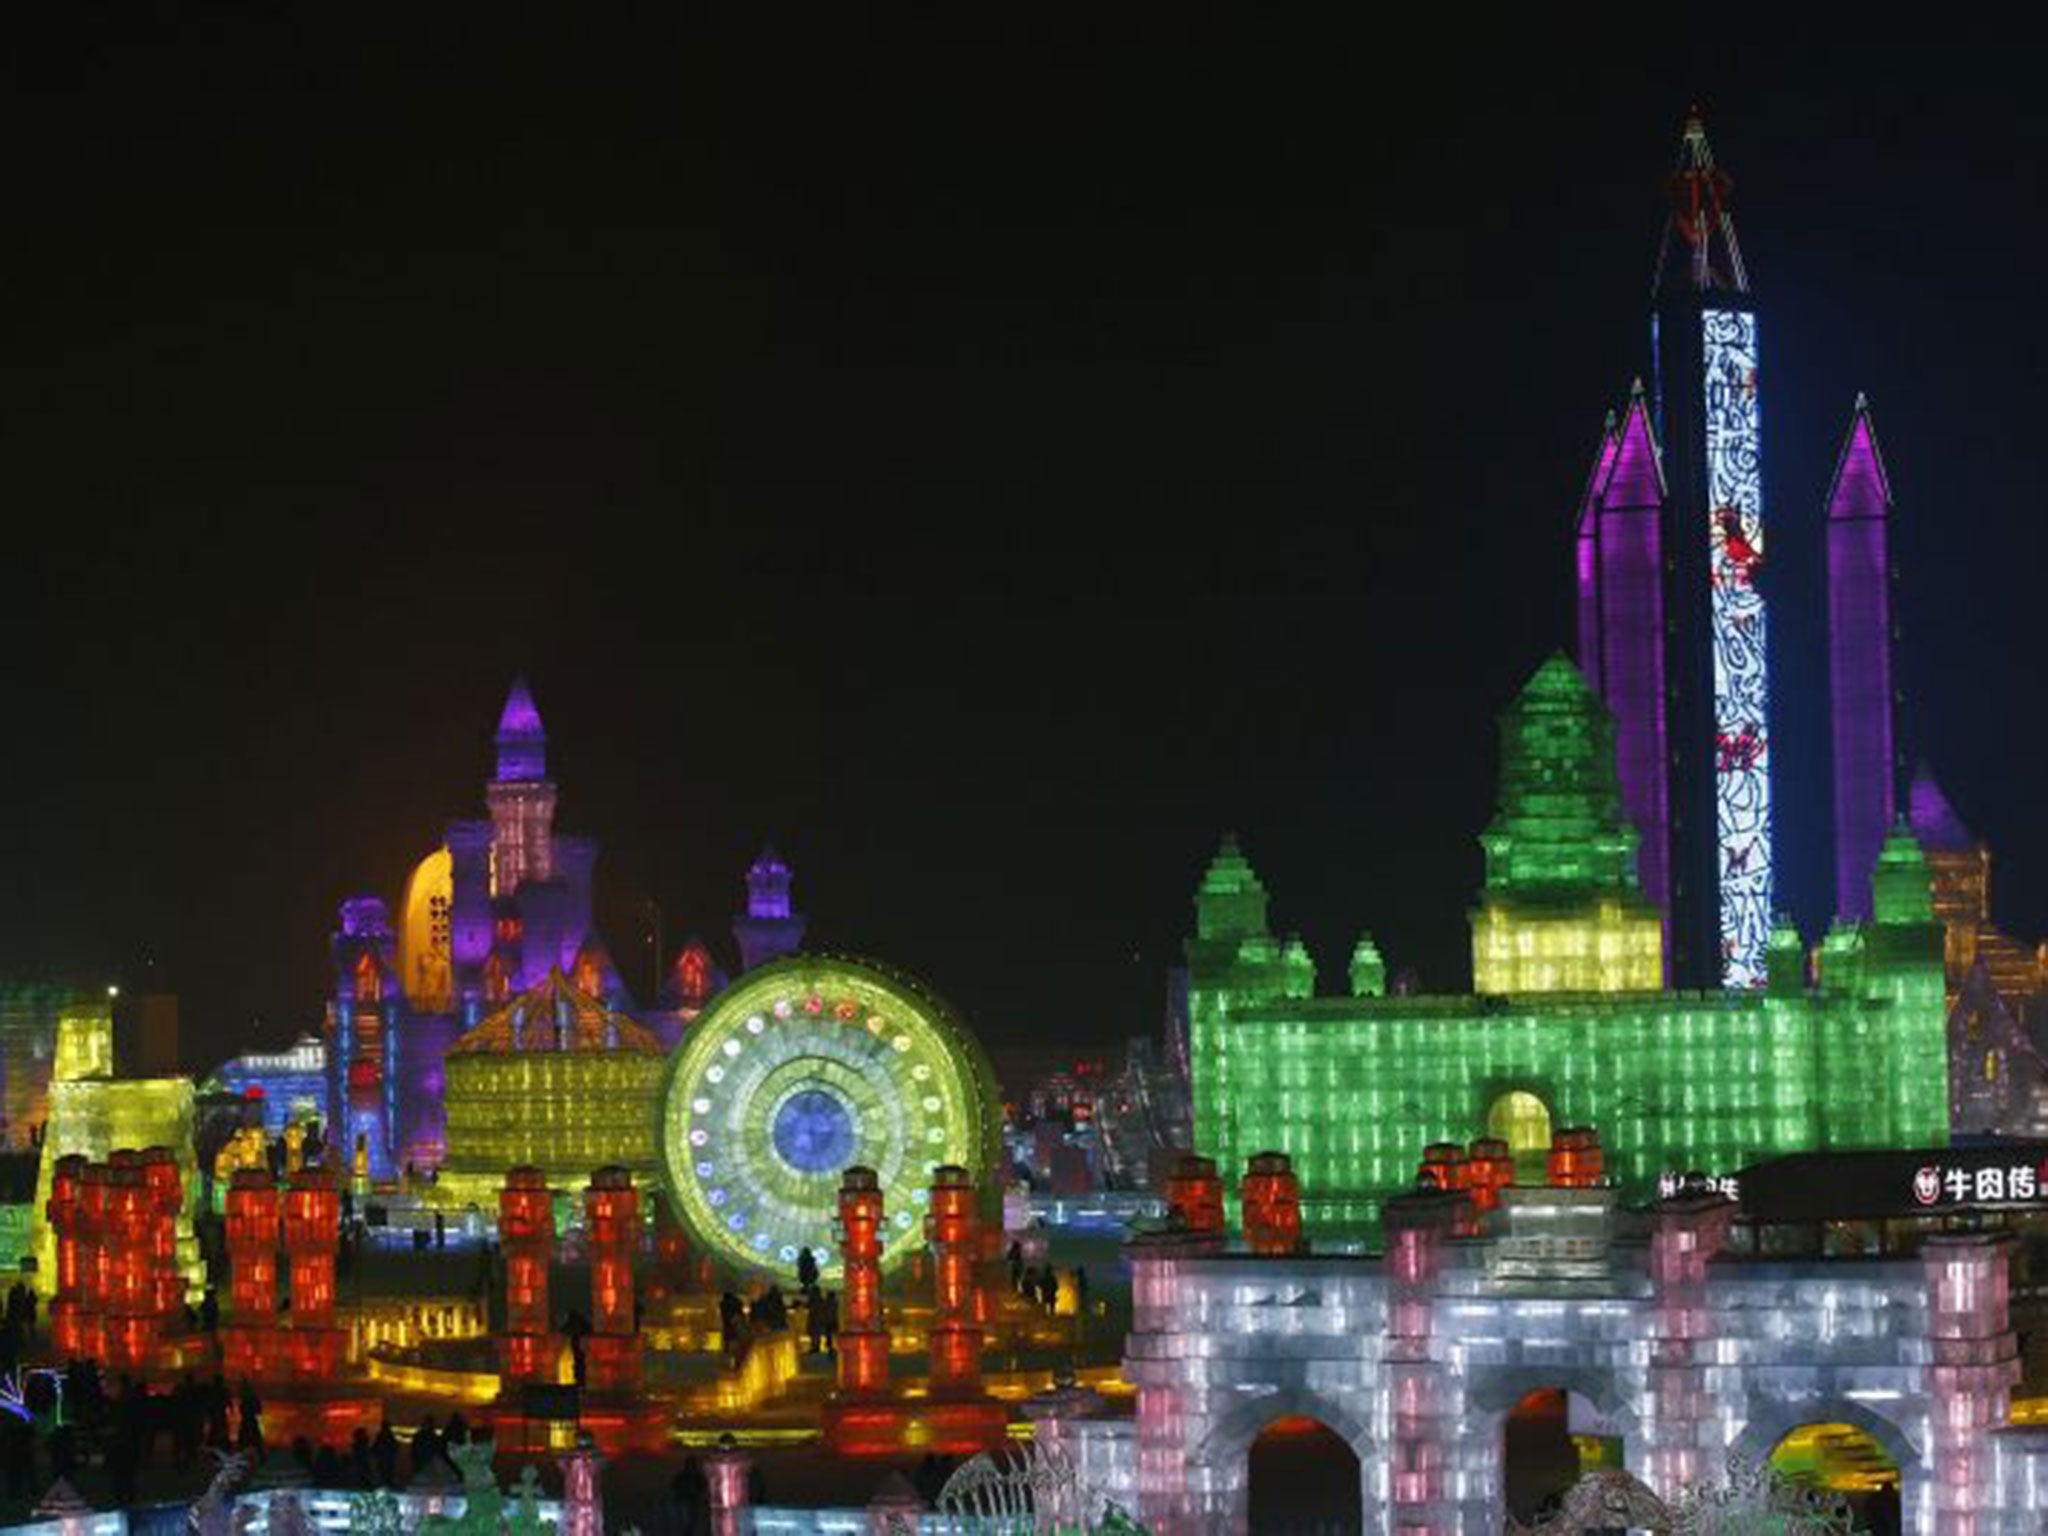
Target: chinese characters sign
[
  {"x": 1939, "y": 1184},
  {"x": 1672, "y": 1184}
]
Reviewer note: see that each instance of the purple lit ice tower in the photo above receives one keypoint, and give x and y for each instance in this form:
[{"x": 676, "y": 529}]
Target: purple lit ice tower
[
  {"x": 1621, "y": 628},
  {"x": 1860, "y": 662},
  {"x": 771, "y": 927}
]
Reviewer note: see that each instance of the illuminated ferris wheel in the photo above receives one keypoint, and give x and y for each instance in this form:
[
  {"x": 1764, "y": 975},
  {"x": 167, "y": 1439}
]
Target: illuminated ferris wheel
[{"x": 800, "y": 1070}]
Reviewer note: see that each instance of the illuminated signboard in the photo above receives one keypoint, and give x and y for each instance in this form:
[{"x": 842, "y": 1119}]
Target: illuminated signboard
[
  {"x": 1671, "y": 1184},
  {"x": 2010, "y": 1183}
]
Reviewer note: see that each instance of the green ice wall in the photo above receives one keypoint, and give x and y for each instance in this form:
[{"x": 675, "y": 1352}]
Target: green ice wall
[{"x": 1354, "y": 1088}]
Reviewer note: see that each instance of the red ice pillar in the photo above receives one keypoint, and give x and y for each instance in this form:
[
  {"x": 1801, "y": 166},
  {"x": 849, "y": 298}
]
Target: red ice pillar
[
  {"x": 953, "y": 1229},
  {"x": 1194, "y": 1193},
  {"x": 252, "y": 1217},
  {"x": 66, "y": 1216},
  {"x": 1678, "y": 1435},
  {"x": 1417, "y": 1226},
  {"x": 1489, "y": 1169},
  {"x": 526, "y": 1230},
  {"x": 95, "y": 1194},
  {"x": 166, "y": 1202},
  {"x": 1272, "y": 1205},
  {"x": 611, "y": 1352},
  {"x": 312, "y": 1231},
  {"x": 1975, "y": 1366},
  {"x": 130, "y": 1322},
  {"x": 1576, "y": 1161},
  {"x": 863, "y": 1340}
]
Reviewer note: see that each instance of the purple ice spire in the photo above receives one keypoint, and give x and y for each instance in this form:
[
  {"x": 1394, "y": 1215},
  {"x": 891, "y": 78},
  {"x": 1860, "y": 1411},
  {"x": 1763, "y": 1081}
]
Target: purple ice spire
[
  {"x": 771, "y": 927},
  {"x": 1934, "y": 821},
  {"x": 1621, "y": 628},
  {"x": 522, "y": 742},
  {"x": 1589, "y": 557},
  {"x": 768, "y": 886},
  {"x": 1860, "y": 663}
]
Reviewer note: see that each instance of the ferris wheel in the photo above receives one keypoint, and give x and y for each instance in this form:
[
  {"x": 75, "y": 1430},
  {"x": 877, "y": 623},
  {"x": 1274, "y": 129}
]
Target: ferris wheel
[{"x": 800, "y": 1070}]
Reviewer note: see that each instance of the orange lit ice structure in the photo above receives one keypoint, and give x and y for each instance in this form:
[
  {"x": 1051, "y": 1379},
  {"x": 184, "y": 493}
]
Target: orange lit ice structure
[
  {"x": 952, "y": 1228},
  {"x": 529, "y": 1349},
  {"x": 252, "y": 1220},
  {"x": 1489, "y": 1169},
  {"x": 1576, "y": 1161},
  {"x": 145, "y": 1293},
  {"x": 66, "y": 1211},
  {"x": 864, "y": 1418},
  {"x": 1272, "y": 1205},
  {"x": 611, "y": 1351},
  {"x": 119, "y": 1296},
  {"x": 609, "y": 1405},
  {"x": 1480, "y": 1174},
  {"x": 963, "y": 1418},
  {"x": 863, "y": 1336},
  {"x": 304, "y": 1345},
  {"x": 1194, "y": 1197}
]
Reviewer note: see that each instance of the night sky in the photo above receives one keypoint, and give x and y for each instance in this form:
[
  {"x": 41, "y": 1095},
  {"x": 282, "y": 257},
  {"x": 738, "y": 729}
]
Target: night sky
[{"x": 989, "y": 465}]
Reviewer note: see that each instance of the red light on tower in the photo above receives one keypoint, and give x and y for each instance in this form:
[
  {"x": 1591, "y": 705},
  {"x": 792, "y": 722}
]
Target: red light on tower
[
  {"x": 92, "y": 1235},
  {"x": 1272, "y": 1205},
  {"x": 1194, "y": 1192},
  {"x": 132, "y": 1318},
  {"x": 952, "y": 1228},
  {"x": 125, "y": 1235},
  {"x": 1443, "y": 1164},
  {"x": 63, "y": 1214},
  {"x": 1576, "y": 1161},
  {"x": 1489, "y": 1169},
  {"x": 166, "y": 1199},
  {"x": 863, "y": 1341},
  {"x": 612, "y": 1349},
  {"x": 526, "y": 1229},
  {"x": 312, "y": 1229},
  {"x": 66, "y": 1214},
  {"x": 252, "y": 1217}
]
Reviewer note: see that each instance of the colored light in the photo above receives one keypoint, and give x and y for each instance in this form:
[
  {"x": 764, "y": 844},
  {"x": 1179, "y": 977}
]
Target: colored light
[
  {"x": 1350, "y": 1088},
  {"x": 776, "y": 1090},
  {"x": 1735, "y": 537}
]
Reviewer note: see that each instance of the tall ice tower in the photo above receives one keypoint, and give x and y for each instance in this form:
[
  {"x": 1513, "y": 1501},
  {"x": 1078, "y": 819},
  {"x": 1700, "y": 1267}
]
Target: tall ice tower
[
  {"x": 771, "y": 927},
  {"x": 1704, "y": 346},
  {"x": 1622, "y": 632},
  {"x": 521, "y": 798},
  {"x": 1860, "y": 663}
]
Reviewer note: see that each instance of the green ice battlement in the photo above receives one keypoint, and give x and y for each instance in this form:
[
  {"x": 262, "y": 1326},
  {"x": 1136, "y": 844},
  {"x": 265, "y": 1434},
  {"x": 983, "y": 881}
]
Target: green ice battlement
[{"x": 1352, "y": 1088}]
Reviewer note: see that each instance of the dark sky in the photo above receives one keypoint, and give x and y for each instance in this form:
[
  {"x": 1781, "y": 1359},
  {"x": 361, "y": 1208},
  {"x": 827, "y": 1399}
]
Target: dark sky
[{"x": 989, "y": 464}]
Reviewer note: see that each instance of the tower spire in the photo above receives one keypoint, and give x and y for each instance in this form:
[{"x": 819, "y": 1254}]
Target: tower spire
[
  {"x": 1704, "y": 340},
  {"x": 521, "y": 799},
  {"x": 1699, "y": 252},
  {"x": 1861, "y": 488},
  {"x": 1621, "y": 625},
  {"x": 522, "y": 742},
  {"x": 771, "y": 926},
  {"x": 1860, "y": 661},
  {"x": 1588, "y": 554}
]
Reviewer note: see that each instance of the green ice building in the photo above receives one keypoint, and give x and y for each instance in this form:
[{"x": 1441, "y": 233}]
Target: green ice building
[{"x": 1568, "y": 1023}]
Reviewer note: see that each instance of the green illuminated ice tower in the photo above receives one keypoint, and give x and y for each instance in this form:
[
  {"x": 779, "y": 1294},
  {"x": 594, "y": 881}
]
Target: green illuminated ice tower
[
  {"x": 1245, "y": 965},
  {"x": 1568, "y": 1024}
]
